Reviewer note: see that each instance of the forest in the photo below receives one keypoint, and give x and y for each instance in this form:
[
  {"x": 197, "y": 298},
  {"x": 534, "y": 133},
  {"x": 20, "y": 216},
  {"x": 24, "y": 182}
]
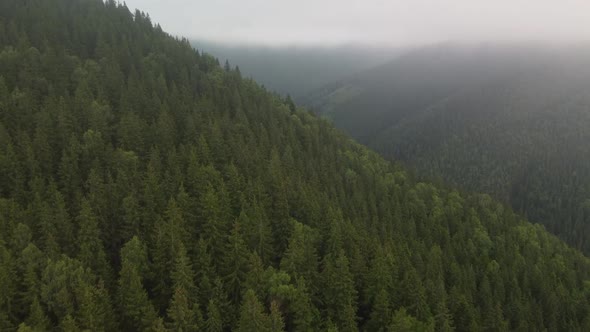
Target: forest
[
  {"x": 509, "y": 121},
  {"x": 144, "y": 186}
]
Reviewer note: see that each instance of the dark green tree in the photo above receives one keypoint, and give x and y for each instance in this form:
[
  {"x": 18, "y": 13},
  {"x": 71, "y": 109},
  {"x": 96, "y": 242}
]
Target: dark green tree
[
  {"x": 133, "y": 300},
  {"x": 252, "y": 315}
]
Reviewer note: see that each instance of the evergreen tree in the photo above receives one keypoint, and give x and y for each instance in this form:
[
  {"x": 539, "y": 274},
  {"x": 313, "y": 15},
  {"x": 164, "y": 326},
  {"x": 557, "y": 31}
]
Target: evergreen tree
[
  {"x": 170, "y": 234},
  {"x": 257, "y": 231},
  {"x": 381, "y": 312},
  {"x": 91, "y": 252},
  {"x": 305, "y": 314},
  {"x": 252, "y": 315},
  {"x": 7, "y": 287},
  {"x": 214, "y": 322},
  {"x": 339, "y": 293},
  {"x": 37, "y": 320},
  {"x": 403, "y": 322},
  {"x": 235, "y": 264},
  {"x": 183, "y": 310},
  {"x": 276, "y": 319},
  {"x": 300, "y": 259},
  {"x": 133, "y": 300}
]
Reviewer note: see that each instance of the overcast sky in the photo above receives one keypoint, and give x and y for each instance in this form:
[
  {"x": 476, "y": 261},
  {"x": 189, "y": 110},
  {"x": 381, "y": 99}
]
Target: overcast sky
[{"x": 391, "y": 22}]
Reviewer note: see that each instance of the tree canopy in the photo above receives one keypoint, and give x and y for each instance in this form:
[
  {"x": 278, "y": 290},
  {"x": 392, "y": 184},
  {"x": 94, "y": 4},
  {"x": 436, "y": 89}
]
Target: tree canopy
[{"x": 145, "y": 187}]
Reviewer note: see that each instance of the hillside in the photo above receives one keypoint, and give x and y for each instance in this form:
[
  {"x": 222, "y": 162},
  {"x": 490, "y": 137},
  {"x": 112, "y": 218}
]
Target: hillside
[
  {"x": 298, "y": 70},
  {"x": 505, "y": 120},
  {"x": 144, "y": 187}
]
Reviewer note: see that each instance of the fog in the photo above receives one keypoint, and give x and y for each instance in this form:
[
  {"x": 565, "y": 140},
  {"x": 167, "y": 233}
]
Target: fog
[{"x": 384, "y": 22}]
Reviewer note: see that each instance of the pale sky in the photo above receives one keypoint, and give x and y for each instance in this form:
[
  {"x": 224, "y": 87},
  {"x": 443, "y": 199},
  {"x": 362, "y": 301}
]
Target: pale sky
[{"x": 393, "y": 22}]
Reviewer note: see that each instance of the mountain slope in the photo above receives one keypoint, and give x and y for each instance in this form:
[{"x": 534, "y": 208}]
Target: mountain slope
[
  {"x": 143, "y": 187},
  {"x": 298, "y": 70},
  {"x": 509, "y": 121}
]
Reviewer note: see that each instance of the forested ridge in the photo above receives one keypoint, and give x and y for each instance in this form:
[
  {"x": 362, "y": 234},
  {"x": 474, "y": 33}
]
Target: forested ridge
[
  {"x": 508, "y": 120},
  {"x": 144, "y": 187}
]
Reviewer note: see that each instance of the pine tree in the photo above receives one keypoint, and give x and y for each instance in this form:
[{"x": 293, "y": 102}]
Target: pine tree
[
  {"x": 96, "y": 312},
  {"x": 205, "y": 273},
  {"x": 257, "y": 278},
  {"x": 7, "y": 287},
  {"x": 180, "y": 312},
  {"x": 183, "y": 310},
  {"x": 31, "y": 264},
  {"x": 68, "y": 324},
  {"x": 403, "y": 322},
  {"x": 340, "y": 296},
  {"x": 305, "y": 314},
  {"x": 214, "y": 321},
  {"x": 25, "y": 328},
  {"x": 300, "y": 259},
  {"x": 69, "y": 170},
  {"x": 170, "y": 235},
  {"x": 131, "y": 218},
  {"x": 235, "y": 264},
  {"x": 442, "y": 316},
  {"x": 47, "y": 228},
  {"x": 73, "y": 295},
  {"x": 276, "y": 319},
  {"x": 37, "y": 318},
  {"x": 290, "y": 104},
  {"x": 415, "y": 295},
  {"x": 213, "y": 220},
  {"x": 252, "y": 316},
  {"x": 257, "y": 230},
  {"x": 132, "y": 297},
  {"x": 60, "y": 218},
  {"x": 280, "y": 219},
  {"x": 380, "y": 312},
  {"x": 461, "y": 310},
  {"x": 91, "y": 252}
]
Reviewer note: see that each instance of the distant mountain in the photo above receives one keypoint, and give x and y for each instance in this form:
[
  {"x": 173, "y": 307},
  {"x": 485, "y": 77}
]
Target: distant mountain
[
  {"x": 512, "y": 121},
  {"x": 298, "y": 70}
]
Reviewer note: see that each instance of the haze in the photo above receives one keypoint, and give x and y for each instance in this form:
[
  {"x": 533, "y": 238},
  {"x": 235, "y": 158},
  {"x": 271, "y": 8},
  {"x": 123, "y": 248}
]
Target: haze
[{"x": 371, "y": 21}]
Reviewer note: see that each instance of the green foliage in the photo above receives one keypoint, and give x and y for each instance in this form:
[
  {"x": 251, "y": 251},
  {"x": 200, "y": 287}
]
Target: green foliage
[
  {"x": 133, "y": 300},
  {"x": 252, "y": 315},
  {"x": 403, "y": 322},
  {"x": 214, "y": 321},
  {"x": 340, "y": 296},
  {"x": 143, "y": 187},
  {"x": 183, "y": 310},
  {"x": 510, "y": 121}
]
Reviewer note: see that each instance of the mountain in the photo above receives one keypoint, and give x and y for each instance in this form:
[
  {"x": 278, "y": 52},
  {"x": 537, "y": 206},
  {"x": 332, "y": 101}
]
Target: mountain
[
  {"x": 298, "y": 70},
  {"x": 511, "y": 121},
  {"x": 144, "y": 187}
]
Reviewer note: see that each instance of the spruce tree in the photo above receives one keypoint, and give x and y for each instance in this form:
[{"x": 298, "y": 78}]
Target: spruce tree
[
  {"x": 133, "y": 301},
  {"x": 252, "y": 315}
]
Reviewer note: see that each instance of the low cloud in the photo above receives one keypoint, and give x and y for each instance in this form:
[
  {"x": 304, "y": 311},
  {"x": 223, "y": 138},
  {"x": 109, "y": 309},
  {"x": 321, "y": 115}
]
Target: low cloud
[{"x": 391, "y": 22}]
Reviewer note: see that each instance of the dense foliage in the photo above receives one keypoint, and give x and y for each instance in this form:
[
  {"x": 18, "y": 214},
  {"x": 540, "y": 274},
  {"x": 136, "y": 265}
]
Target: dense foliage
[
  {"x": 144, "y": 187},
  {"x": 512, "y": 122}
]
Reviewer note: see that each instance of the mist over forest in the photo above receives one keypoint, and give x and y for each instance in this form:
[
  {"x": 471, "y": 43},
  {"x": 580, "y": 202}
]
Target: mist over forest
[
  {"x": 298, "y": 70},
  {"x": 505, "y": 119}
]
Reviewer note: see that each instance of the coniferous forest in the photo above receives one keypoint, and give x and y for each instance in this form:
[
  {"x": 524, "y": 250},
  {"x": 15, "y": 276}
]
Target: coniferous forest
[
  {"x": 146, "y": 187},
  {"x": 508, "y": 120}
]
